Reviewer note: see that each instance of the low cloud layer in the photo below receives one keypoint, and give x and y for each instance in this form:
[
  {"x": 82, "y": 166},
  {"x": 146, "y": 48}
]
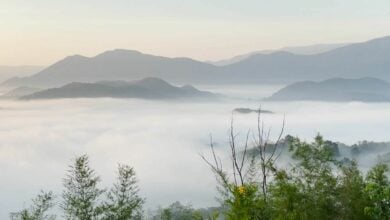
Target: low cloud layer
[{"x": 161, "y": 140}]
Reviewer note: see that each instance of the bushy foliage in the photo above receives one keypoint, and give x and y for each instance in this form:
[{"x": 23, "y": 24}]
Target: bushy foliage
[
  {"x": 178, "y": 211},
  {"x": 315, "y": 186},
  {"x": 378, "y": 192},
  {"x": 82, "y": 198},
  {"x": 81, "y": 193},
  {"x": 38, "y": 210},
  {"x": 122, "y": 200}
]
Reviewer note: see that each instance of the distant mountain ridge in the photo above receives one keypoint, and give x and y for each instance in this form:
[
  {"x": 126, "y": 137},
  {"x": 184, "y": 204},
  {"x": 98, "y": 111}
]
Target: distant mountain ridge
[
  {"x": 19, "y": 92},
  {"x": 148, "y": 88},
  {"x": 117, "y": 65},
  {"x": 336, "y": 89},
  {"x": 356, "y": 60},
  {"x": 367, "y": 59},
  {"x": 7, "y": 72},
  {"x": 299, "y": 50}
]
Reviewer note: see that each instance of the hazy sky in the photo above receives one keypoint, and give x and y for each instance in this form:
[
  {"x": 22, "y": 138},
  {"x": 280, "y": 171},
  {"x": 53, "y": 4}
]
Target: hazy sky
[{"x": 43, "y": 31}]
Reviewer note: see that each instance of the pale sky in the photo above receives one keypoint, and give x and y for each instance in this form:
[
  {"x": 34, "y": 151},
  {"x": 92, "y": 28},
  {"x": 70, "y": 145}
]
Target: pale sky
[{"x": 40, "y": 32}]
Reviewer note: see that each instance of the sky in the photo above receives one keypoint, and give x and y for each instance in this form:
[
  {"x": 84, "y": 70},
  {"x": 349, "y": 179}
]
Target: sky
[{"x": 41, "y": 32}]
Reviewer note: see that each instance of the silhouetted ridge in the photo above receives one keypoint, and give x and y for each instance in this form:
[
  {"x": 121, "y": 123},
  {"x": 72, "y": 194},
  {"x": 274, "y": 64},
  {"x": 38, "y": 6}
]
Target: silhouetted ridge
[
  {"x": 148, "y": 88},
  {"x": 357, "y": 60},
  {"x": 336, "y": 89}
]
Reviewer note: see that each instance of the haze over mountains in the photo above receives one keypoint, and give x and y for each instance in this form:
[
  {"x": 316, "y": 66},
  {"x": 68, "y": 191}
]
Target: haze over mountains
[
  {"x": 19, "y": 92},
  {"x": 7, "y": 72},
  {"x": 336, "y": 89},
  {"x": 300, "y": 50},
  {"x": 370, "y": 58},
  {"x": 117, "y": 65},
  {"x": 148, "y": 88},
  {"x": 367, "y": 59}
]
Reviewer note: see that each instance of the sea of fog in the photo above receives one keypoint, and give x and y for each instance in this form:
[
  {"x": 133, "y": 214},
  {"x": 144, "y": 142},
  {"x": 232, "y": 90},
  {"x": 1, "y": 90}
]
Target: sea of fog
[{"x": 162, "y": 140}]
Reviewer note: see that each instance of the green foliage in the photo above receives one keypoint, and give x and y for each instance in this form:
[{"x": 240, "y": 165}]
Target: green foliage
[
  {"x": 378, "y": 192},
  {"x": 246, "y": 202},
  {"x": 82, "y": 197},
  {"x": 123, "y": 202},
  {"x": 315, "y": 186},
  {"x": 351, "y": 192},
  {"x": 177, "y": 211},
  {"x": 314, "y": 178},
  {"x": 38, "y": 211},
  {"x": 81, "y": 193},
  {"x": 287, "y": 197}
]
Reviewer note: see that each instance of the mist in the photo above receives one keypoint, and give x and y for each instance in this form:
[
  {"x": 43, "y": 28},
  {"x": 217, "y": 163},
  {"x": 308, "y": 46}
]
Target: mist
[{"x": 162, "y": 140}]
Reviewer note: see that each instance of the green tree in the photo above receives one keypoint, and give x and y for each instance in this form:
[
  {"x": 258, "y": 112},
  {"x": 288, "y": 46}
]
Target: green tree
[
  {"x": 378, "y": 192},
  {"x": 38, "y": 210},
  {"x": 351, "y": 192},
  {"x": 314, "y": 177},
  {"x": 286, "y": 197},
  {"x": 177, "y": 211},
  {"x": 246, "y": 203},
  {"x": 123, "y": 201},
  {"x": 81, "y": 193}
]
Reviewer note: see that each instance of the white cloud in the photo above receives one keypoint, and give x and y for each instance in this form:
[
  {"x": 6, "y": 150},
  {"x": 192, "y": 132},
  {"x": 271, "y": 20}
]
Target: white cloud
[{"x": 161, "y": 140}]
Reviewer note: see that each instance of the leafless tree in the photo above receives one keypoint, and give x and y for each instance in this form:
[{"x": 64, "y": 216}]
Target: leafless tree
[
  {"x": 268, "y": 152},
  {"x": 262, "y": 157}
]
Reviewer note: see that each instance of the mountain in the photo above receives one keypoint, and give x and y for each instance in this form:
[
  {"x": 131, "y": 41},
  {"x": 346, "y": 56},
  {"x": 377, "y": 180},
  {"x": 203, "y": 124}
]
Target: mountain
[
  {"x": 367, "y": 59},
  {"x": 20, "y": 91},
  {"x": 313, "y": 49},
  {"x": 7, "y": 72},
  {"x": 148, "y": 88},
  {"x": 117, "y": 65},
  {"x": 300, "y": 50},
  {"x": 336, "y": 89}
]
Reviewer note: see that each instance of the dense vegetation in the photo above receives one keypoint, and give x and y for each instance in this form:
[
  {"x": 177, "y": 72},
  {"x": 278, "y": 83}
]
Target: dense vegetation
[
  {"x": 316, "y": 186},
  {"x": 82, "y": 198}
]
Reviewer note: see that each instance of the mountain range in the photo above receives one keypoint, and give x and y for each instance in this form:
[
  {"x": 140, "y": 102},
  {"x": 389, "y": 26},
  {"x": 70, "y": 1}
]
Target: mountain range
[
  {"x": 117, "y": 65},
  {"x": 300, "y": 50},
  {"x": 337, "y": 90},
  {"x": 19, "y": 92},
  {"x": 7, "y": 72},
  {"x": 148, "y": 88},
  {"x": 366, "y": 59}
]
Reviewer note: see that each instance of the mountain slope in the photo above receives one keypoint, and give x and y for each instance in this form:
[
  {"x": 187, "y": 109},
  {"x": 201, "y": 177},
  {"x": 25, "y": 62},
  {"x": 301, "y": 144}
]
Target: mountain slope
[
  {"x": 148, "y": 88},
  {"x": 367, "y": 59},
  {"x": 302, "y": 50},
  {"x": 7, "y": 72},
  {"x": 117, "y": 65},
  {"x": 20, "y": 91},
  {"x": 336, "y": 89}
]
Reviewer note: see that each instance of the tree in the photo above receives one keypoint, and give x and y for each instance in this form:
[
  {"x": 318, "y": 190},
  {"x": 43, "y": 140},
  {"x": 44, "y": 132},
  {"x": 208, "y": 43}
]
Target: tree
[
  {"x": 38, "y": 210},
  {"x": 286, "y": 197},
  {"x": 246, "y": 193},
  {"x": 378, "y": 192},
  {"x": 81, "y": 193},
  {"x": 314, "y": 178},
  {"x": 268, "y": 153},
  {"x": 178, "y": 211},
  {"x": 351, "y": 192},
  {"x": 123, "y": 202}
]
